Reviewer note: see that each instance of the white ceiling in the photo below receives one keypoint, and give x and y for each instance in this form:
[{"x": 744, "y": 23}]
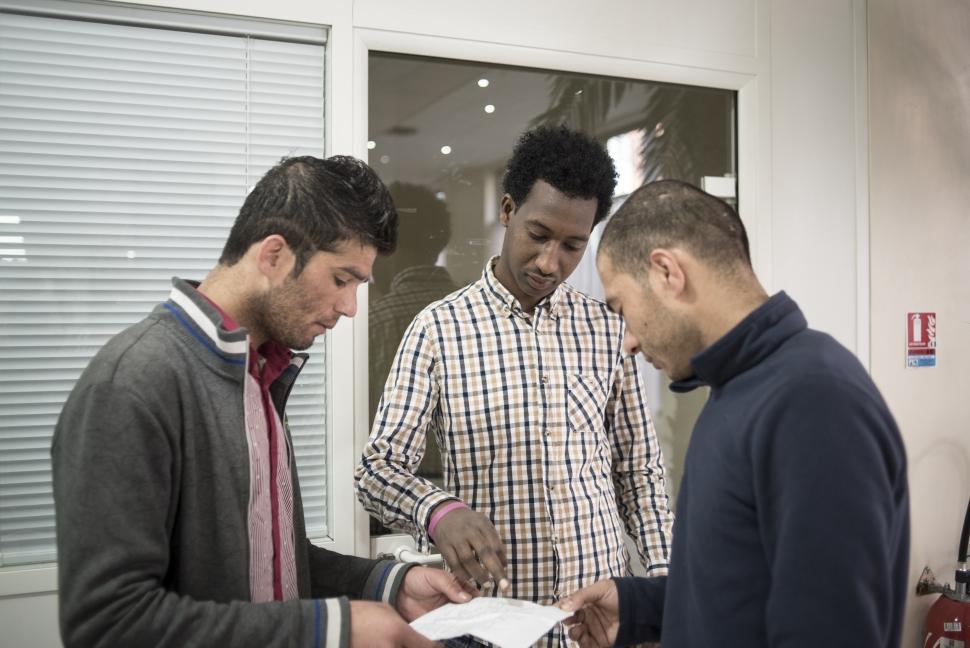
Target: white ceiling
[{"x": 440, "y": 103}]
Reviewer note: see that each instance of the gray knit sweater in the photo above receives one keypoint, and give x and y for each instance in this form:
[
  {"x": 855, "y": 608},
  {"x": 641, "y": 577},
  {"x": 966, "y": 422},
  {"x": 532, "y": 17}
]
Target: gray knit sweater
[{"x": 151, "y": 485}]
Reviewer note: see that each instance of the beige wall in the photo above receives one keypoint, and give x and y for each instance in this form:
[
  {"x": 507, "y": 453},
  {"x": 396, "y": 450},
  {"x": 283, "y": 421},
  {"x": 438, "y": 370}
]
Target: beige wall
[{"x": 919, "y": 99}]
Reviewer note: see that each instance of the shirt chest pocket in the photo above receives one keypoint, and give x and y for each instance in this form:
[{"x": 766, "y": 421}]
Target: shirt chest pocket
[{"x": 585, "y": 402}]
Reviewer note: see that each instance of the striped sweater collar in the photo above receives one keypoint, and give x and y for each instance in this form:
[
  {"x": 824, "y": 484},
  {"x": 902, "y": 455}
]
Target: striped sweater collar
[{"x": 204, "y": 322}]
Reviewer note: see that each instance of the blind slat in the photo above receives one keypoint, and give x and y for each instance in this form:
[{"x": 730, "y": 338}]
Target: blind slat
[{"x": 125, "y": 154}]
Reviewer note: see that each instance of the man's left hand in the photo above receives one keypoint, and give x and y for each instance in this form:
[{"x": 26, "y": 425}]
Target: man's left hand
[{"x": 425, "y": 589}]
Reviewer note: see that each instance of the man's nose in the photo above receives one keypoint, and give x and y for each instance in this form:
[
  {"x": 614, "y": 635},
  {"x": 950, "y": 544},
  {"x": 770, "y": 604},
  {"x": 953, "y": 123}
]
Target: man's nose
[
  {"x": 347, "y": 303},
  {"x": 548, "y": 260},
  {"x": 630, "y": 343}
]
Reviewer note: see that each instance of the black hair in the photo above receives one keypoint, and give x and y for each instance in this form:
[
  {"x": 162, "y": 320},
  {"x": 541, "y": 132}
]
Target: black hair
[
  {"x": 673, "y": 213},
  {"x": 572, "y": 162},
  {"x": 315, "y": 204}
]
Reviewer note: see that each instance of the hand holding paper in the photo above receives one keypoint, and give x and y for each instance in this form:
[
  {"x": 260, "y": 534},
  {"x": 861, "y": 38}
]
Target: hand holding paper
[
  {"x": 507, "y": 623},
  {"x": 596, "y": 618}
]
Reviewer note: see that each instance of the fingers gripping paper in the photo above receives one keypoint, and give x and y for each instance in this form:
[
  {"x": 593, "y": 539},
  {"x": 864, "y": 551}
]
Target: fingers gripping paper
[{"x": 507, "y": 623}]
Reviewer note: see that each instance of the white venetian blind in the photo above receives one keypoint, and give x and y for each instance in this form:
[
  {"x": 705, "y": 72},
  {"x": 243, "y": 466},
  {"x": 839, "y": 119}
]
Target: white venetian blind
[{"x": 125, "y": 154}]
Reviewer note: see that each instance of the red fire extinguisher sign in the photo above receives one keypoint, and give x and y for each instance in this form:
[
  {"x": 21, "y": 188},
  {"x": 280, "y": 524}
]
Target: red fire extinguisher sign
[{"x": 920, "y": 339}]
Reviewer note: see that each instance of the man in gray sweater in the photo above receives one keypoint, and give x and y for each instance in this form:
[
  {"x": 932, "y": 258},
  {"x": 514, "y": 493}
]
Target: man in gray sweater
[{"x": 179, "y": 519}]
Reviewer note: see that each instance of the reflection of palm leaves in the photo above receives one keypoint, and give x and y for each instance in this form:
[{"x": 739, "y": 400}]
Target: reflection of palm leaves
[
  {"x": 580, "y": 102},
  {"x": 664, "y": 153},
  {"x": 587, "y": 104}
]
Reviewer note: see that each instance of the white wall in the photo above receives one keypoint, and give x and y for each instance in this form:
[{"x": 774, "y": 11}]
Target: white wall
[
  {"x": 796, "y": 66},
  {"x": 817, "y": 142},
  {"x": 920, "y": 232},
  {"x": 29, "y": 621}
]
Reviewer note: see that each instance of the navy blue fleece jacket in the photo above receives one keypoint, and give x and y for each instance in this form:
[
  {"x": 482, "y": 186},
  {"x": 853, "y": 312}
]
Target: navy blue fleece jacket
[{"x": 792, "y": 521}]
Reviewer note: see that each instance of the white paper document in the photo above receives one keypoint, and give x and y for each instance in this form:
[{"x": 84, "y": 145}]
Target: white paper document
[{"x": 507, "y": 623}]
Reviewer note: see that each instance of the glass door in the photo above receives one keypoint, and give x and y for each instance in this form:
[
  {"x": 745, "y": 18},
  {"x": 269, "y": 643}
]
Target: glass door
[{"x": 440, "y": 132}]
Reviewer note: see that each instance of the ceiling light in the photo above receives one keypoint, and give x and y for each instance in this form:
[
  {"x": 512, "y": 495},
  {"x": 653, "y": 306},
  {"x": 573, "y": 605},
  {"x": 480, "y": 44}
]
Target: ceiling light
[
  {"x": 385, "y": 159},
  {"x": 371, "y": 145},
  {"x": 483, "y": 83},
  {"x": 489, "y": 109},
  {"x": 445, "y": 150}
]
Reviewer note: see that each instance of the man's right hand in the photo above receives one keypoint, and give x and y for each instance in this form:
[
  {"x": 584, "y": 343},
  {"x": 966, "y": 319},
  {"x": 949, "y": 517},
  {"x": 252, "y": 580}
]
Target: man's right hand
[
  {"x": 596, "y": 614},
  {"x": 377, "y": 625},
  {"x": 471, "y": 546}
]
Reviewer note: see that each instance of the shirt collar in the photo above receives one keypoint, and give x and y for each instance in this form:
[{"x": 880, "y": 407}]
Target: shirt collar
[{"x": 505, "y": 301}]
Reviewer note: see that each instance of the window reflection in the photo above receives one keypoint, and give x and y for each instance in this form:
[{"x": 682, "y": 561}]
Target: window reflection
[
  {"x": 404, "y": 283},
  {"x": 440, "y": 133}
]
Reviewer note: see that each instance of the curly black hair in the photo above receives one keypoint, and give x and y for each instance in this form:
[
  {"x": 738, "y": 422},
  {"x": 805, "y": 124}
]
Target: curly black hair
[{"x": 571, "y": 161}]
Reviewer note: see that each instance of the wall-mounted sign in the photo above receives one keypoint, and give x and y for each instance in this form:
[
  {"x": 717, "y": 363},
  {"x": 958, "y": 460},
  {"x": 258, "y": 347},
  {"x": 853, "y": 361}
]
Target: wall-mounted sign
[{"x": 920, "y": 339}]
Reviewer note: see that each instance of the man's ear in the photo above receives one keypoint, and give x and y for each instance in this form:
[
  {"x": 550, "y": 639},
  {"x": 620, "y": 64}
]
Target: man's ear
[
  {"x": 508, "y": 208},
  {"x": 667, "y": 275},
  {"x": 274, "y": 258}
]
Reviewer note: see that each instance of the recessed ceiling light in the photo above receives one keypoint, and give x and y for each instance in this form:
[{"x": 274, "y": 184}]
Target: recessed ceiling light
[
  {"x": 489, "y": 109},
  {"x": 445, "y": 150},
  {"x": 371, "y": 145},
  {"x": 385, "y": 159},
  {"x": 483, "y": 83}
]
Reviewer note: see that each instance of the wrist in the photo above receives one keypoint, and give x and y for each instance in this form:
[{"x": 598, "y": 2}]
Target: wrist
[{"x": 440, "y": 512}]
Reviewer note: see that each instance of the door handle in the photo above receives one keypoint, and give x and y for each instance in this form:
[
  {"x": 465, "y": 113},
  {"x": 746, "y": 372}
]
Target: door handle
[{"x": 406, "y": 554}]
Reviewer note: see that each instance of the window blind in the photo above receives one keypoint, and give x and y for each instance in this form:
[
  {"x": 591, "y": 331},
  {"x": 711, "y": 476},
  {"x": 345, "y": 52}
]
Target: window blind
[{"x": 125, "y": 154}]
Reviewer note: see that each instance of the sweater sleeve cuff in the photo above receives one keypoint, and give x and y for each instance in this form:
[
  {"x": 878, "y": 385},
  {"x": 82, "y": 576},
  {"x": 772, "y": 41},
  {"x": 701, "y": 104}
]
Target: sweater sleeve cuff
[
  {"x": 384, "y": 581},
  {"x": 332, "y": 627},
  {"x": 641, "y": 609}
]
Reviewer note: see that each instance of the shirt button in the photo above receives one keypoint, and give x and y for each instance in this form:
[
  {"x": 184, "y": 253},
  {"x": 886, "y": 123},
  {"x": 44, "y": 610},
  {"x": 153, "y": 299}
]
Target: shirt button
[
  {"x": 545, "y": 380},
  {"x": 545, "y": 433}
]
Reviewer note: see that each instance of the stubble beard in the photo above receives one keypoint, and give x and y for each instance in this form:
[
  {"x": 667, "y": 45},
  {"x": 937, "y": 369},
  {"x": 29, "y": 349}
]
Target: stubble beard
[{"x": 274, "y": 312}]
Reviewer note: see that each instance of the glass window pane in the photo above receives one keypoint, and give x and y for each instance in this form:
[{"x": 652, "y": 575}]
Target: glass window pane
[{"x": 440, "y": 133}]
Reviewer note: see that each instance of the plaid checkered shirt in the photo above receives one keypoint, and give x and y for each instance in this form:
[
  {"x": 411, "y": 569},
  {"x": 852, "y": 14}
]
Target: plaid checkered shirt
[{"x": 542, "y": 427}]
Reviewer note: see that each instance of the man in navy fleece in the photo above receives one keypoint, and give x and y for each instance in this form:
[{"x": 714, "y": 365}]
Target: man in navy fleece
[{"x": 792, "y": 522}]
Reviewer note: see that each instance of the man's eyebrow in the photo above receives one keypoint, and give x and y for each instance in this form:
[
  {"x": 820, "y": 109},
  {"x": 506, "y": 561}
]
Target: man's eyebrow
[
  {"x": 355, "y": 273},
  {"x": 545, "y": 229}
]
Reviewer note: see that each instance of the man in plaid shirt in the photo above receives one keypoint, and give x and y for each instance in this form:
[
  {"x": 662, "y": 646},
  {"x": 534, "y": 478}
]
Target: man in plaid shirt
[{"x": 548, "y": 449}]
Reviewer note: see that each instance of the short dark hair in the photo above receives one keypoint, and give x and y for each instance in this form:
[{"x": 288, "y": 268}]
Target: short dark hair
[
  {"x": 315, "y": 204},
  {"x": 672, "y": 213},
  {"x": 572, "y": 162}
]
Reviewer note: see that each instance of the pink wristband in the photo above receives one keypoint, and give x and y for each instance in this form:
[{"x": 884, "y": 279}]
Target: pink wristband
[{"x": 441, "y": 512}]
